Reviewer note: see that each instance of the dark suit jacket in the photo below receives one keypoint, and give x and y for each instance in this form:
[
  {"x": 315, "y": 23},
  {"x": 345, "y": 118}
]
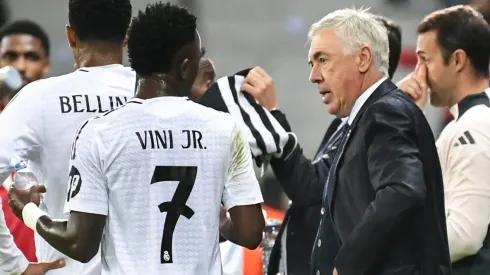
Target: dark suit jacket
[
  {"x": 303, "y": 182},
  {"x": 385, "y": 193}
]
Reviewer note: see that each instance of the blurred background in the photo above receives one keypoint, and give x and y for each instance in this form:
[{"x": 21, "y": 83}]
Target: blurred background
[{"x": 270, "y": 34}]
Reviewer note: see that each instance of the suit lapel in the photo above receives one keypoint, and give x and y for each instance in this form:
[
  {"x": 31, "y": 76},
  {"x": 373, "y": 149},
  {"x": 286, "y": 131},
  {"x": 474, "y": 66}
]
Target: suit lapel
[
  {"x": 332, "y": 175},
  {"x": 384, "y": 88},
  {"x": 330, "y": 131}
]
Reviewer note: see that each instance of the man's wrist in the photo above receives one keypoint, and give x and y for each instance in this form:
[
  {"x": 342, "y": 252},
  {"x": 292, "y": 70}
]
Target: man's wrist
[
  {"x": 31, "y": 214},
  {"x": 22, "y": 265}
]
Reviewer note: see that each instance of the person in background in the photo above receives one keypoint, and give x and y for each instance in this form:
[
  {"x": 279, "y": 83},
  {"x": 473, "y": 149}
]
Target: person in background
[
  {"x": 452, "y": 48},
  {"x": 24, "y": 45},
  {"x": 236, "y": 260},
  {"x": 299, "y": 174},
  {"x": 206, "y": 76}
]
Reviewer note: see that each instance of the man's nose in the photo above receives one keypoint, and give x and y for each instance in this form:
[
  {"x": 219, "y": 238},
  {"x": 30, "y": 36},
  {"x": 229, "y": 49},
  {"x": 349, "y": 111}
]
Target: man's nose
[
  {"x": 315, "y": 75},
  {"x": 20, "y": 64}
]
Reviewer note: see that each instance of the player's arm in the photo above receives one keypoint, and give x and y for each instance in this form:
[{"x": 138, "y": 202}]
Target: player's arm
[
  {"x": 78, "y": 238},
  {"x": 242, "y": 197},
  {"x": 87, "y": 202},
  {"x": 467, "y": 196},
  {"x": 11, "y": 258},
  {"x": 13, "y": 261},
  {"x": 21, "y": 125}
]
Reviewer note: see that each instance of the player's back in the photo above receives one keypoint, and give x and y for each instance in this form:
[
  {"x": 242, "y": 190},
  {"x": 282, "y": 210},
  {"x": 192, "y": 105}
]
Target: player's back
[
  {"x": 67, "y": 101},
  {"x": 44, "y": 116},
  {"x": 165, "y": 161}
]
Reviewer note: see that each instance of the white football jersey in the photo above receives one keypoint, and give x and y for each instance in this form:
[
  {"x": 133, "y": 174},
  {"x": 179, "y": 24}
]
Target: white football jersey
[
  {"x": 40, "y": 123},
  {"x": 159, "y": 170}
]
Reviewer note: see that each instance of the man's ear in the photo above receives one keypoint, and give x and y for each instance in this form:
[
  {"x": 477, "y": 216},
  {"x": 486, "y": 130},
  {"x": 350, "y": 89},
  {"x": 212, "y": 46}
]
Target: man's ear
[
  {"x": 459, "y": 60},
  {"x": 71, "y": 36},
  {"x": 364, "y": 59},
  {"x": 184, "y": 69}
]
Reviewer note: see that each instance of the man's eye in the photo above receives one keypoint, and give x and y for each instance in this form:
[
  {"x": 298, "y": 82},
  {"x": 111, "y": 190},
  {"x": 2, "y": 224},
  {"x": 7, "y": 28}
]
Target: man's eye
[{"x": 323, "y": 60}]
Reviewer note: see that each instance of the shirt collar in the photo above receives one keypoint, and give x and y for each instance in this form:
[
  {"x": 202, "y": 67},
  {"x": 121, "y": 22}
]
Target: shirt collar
[
  {"x": 109, "y": 66},
  {"x": 362, "y": 99},
  {"x": 469, "y": 101}
]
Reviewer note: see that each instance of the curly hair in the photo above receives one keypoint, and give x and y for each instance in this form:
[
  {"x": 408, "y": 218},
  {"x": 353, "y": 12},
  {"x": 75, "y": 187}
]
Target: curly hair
[
  {"x": 157, "y": 34},
  {"x": 100, "y": 20}
]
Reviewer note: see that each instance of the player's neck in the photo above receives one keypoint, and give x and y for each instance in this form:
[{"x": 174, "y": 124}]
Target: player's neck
[
  {"x": 156, "y": 86},
  {"x": 95, "y": 56},
  {"x": 466, "y": 88}
]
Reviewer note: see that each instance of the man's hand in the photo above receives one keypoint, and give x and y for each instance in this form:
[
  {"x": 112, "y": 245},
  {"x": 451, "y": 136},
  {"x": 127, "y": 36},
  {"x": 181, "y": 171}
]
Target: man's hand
[
  {"x": 415, "y": 85},
  {"x": 19, "y": 198},
  {"x": 42, "y": 268},
  {"x": 261, "y": 86},
  {"x": 335, "y": 272}
]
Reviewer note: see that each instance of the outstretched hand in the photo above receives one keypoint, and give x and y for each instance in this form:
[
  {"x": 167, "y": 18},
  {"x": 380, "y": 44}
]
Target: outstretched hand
[{"x": 42, "y": 268}]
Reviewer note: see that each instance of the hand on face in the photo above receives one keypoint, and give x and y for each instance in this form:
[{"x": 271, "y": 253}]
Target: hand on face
[{"x": 416, "y": 86}]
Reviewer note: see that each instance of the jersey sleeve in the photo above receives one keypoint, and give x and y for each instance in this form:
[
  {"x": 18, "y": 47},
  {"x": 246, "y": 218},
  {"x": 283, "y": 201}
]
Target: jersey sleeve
[
  {"x": 21, "y": 125},
  {"x": 87, "y": 185},
  {"x": 467, "y": 192},
  {"x": 12, "y": 260},
  {"x": 241, "y": 186}
]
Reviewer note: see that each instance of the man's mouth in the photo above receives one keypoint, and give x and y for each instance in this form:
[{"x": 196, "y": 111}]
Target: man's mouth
[{"x": 325, "y": 96}]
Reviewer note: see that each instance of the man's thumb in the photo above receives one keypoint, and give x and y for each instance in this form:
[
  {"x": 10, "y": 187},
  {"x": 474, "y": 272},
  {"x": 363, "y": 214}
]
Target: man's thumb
[
  {"x": 53, "y": 265},
  {"x": 40, "y": 188}
]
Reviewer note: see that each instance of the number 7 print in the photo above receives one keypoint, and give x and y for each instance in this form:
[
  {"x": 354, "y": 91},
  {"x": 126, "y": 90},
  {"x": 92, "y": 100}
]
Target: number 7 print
[{"x": 186, "y": 176}]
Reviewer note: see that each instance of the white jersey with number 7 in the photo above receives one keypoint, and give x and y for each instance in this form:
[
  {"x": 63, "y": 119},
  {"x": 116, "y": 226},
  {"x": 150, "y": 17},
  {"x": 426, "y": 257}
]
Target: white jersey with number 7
[{"x": 159, "y": 169}]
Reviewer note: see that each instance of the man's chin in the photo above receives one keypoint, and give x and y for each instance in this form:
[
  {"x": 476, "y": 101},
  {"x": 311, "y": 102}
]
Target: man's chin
[{"x": 333, "y": 110}]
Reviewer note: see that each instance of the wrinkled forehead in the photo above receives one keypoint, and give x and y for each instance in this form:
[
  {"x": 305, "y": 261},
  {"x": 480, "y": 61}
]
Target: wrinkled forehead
[{"x": 324, "y": 42}]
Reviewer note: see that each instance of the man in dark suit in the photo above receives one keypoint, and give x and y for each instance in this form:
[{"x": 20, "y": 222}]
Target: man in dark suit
[
  {"x": 299, "y": 175},
  {"x": 384, "y": 190}
]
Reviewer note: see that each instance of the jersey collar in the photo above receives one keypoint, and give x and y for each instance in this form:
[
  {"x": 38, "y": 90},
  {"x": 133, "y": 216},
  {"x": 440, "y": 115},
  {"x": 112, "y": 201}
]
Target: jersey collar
[{"x": 470, "y": 101}]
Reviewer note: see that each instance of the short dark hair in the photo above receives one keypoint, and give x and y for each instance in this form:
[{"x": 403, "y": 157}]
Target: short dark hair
[
  {"x": 157, "y": 34},
  {"x": 26, "y": 27},
  {"x": 395, "y": 44},
  {"x": 100, "y": 20},
  {"x": 461, "y": 27}
]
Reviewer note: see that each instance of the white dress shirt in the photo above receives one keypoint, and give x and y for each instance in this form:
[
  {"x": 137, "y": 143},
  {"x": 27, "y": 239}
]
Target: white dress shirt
[{"x": 362, "y": 99}]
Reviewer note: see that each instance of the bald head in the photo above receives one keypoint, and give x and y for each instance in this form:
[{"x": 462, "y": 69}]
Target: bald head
[{"x": 206, "y": 76}]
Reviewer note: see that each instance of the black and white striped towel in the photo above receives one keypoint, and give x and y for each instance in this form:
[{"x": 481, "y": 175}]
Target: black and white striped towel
[{"x": 265, "y": 135}]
